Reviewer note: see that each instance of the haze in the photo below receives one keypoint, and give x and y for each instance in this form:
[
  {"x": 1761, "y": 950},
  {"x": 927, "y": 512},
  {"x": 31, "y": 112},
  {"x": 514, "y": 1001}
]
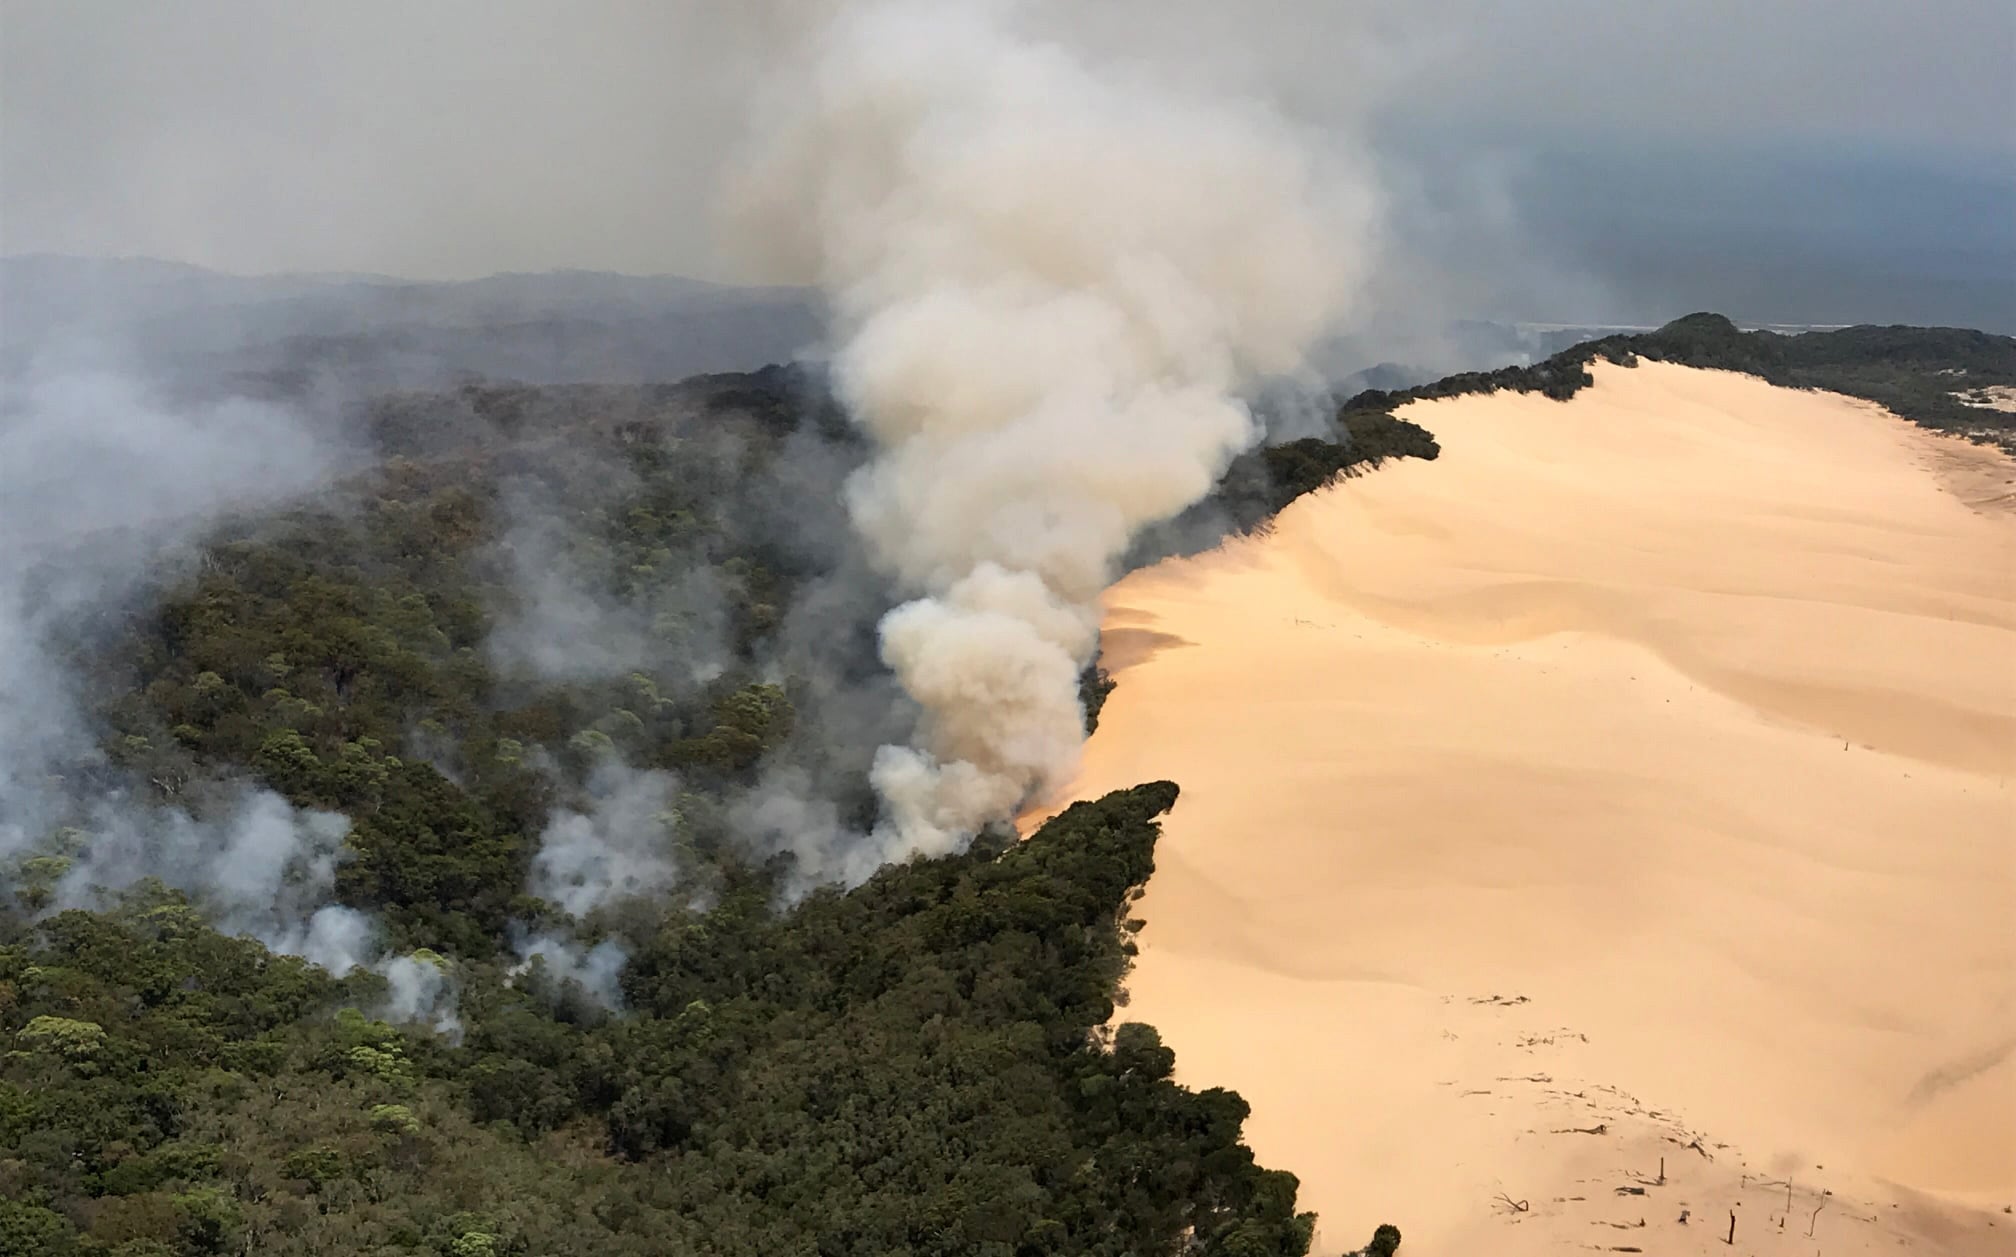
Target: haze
[{"x": 1558, "y": 160}]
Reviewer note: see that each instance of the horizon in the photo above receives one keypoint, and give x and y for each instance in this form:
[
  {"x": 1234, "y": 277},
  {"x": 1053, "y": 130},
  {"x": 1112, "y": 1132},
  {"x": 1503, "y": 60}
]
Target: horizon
[
  {"x": 1679, "y": 157},
  {"x": 1532, "y": 323}
]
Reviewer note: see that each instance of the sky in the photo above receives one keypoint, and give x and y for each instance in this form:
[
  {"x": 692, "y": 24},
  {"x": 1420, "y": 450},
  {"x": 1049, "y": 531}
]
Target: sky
[{"x": 1535, "y": 153}]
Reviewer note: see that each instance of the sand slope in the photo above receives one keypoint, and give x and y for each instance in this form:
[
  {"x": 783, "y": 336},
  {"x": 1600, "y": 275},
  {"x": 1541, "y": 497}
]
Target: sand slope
[{"x": 1633, "y": 781}]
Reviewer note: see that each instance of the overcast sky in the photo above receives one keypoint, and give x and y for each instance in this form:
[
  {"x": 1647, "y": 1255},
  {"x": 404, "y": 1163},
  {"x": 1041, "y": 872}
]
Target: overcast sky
[{"x": 445, "y": 138}]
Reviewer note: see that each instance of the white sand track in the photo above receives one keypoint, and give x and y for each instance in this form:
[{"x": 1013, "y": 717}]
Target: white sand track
[{"x": 1636, "y": 780}]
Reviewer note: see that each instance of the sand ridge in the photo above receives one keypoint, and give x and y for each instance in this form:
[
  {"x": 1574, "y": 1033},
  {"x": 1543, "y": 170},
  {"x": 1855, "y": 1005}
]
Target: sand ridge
[{"x": 1634, "y": 781}]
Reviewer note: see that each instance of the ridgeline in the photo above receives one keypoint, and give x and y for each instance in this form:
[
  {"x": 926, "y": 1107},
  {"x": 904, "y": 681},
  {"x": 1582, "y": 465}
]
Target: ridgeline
[{"x": 1933, "y": 376}]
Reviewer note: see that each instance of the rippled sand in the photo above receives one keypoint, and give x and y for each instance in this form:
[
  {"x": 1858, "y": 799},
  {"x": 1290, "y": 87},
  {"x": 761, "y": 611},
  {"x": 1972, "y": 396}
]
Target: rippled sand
[{"x": 1632, "y": 782}]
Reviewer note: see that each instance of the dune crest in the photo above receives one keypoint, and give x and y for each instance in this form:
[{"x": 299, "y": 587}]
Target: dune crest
[{"x": 1635, "y": 781}]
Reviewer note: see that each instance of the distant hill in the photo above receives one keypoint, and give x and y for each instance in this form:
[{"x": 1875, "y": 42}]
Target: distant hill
[{"x": 185, "y": 324}]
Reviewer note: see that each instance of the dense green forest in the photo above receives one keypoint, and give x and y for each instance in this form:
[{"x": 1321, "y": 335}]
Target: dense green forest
[
  {"x": 1928, "y": 375},
  {"x": 917, "y": 1066},
  {"x": 1262, "y": 481},
  {"x": 923, "y": 1064}
]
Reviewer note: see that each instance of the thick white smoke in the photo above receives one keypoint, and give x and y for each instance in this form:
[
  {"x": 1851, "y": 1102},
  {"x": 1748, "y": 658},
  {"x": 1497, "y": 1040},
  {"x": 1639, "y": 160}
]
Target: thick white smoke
[
  {"x": 620, "y": 847},
  {"x": 1051, "y": 280}
]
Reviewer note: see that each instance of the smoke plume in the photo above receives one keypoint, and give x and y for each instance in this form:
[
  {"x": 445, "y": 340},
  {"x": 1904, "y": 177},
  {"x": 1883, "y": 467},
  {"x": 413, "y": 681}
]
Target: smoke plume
[
  {"x": 565, "y": 630},
  {"x": 262, "y": 868},
  {"x": 619, "y": 847},
  {"x": 597, "y": 970},
  {"x": 103, "y": 487},
  {"x": 106, "y": 489},
  {"x": 1050, "y": 280}
]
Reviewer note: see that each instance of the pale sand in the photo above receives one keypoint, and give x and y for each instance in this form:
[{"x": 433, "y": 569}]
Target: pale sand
[
  {"x": 1679, "y": 718},
  {"x": 1993, "y": 397}
]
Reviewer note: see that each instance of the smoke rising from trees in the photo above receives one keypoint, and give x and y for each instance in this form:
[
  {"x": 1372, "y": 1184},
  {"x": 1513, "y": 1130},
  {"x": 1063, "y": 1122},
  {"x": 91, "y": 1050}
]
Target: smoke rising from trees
[
  {"x": 106, "y": 489},
  {"x": 101, "y": 492},
  {"x": 1054, "y": 280},
  {"x": 1050, "y": 280},
  {"x": 102, "y": 489}
]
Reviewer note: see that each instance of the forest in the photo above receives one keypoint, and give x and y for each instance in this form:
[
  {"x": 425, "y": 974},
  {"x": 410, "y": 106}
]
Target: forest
[
  {"x": 1925, "y": 374},
  {"x": 917, "y": 1066},
  {"x": 534, "y": 607}
]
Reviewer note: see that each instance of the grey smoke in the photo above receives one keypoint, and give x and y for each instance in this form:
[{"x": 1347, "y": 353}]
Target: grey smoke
[
  {"x": 103, "y": 489},
  {"x": 788, "y": 813},
  {"x": 265, "y": 870},
  {"x": 597, "y": 970},
  {"x": 563, "y": 628},
  {"x": 1051, "y": 279},
  {"x": 106, "y": 489},
  {"x": 261, "y": 869},
  {"x": 618, "y": 845},
  {"x": 615, "y": 846},
  {"x": 1293, "y": 408},
  {"x": 178, "y": 131},
  {"x": 420, "y": 989},
  {"x": 335, "y": 937},
  {"x": 573, "y": 616}
]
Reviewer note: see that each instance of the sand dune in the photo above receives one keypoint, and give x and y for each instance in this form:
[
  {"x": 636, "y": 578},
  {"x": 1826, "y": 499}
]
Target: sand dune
[{"x": 1635, "y": 781}]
